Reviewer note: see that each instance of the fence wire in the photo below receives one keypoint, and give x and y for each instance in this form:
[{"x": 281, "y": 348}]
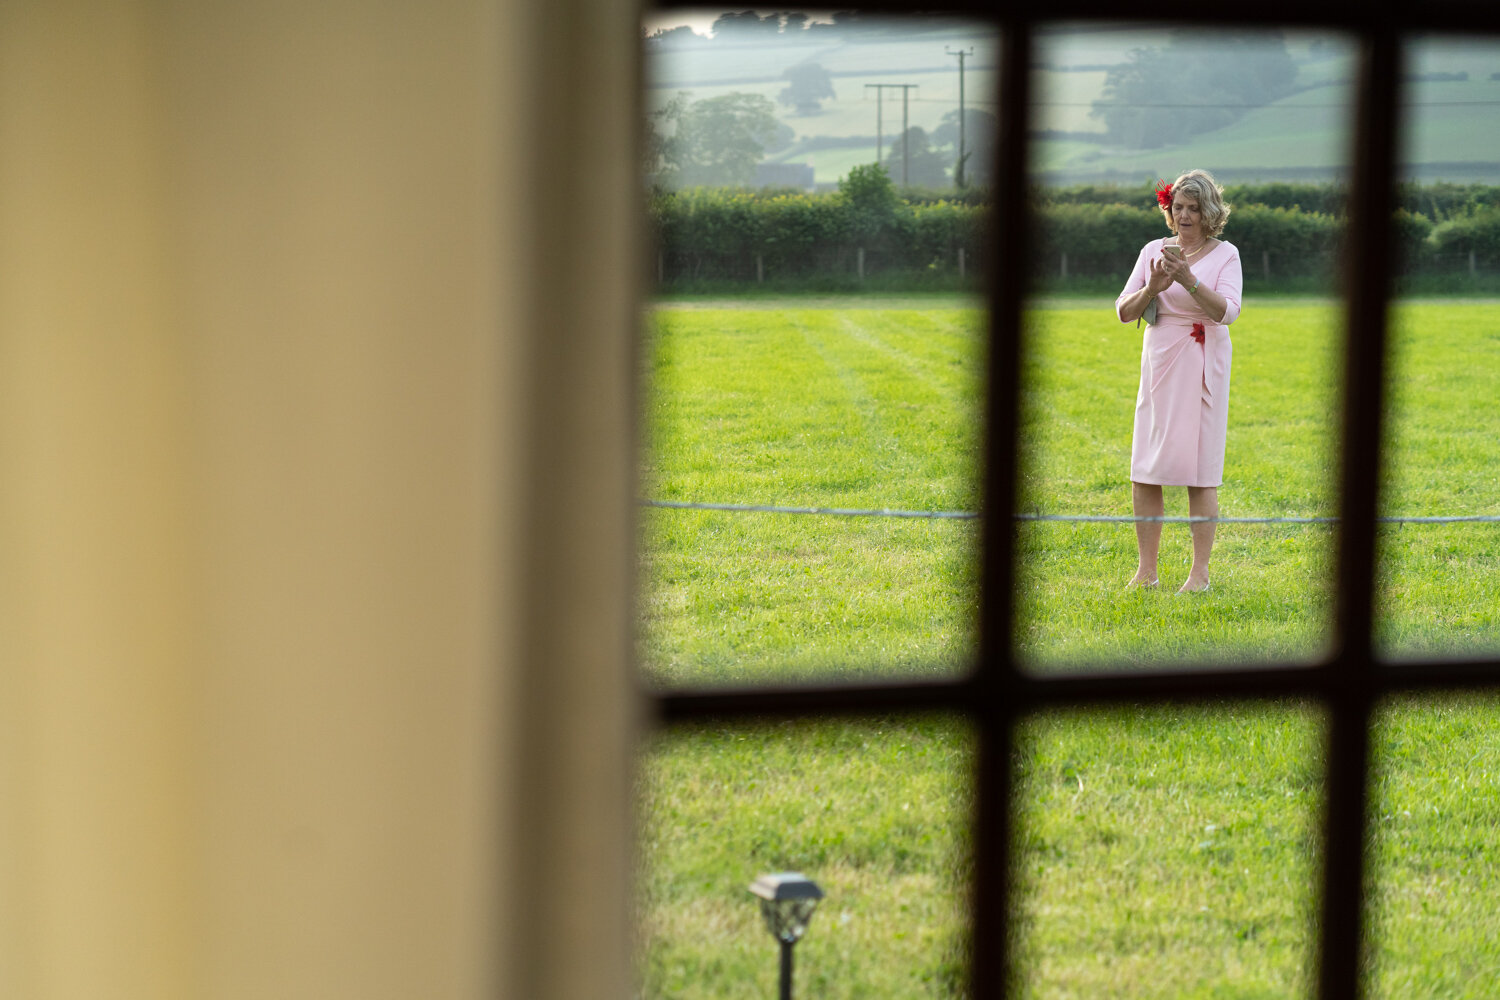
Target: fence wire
[{"x": 969, "y": 515}]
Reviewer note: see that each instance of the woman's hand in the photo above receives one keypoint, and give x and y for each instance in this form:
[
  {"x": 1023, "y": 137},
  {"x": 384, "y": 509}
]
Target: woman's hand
[
  {"x": 1161, "y": 277},
  {"x": 1177, "y": 270}
]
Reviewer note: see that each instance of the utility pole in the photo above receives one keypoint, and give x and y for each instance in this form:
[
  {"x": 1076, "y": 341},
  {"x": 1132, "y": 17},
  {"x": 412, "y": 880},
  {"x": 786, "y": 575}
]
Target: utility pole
[
  {"x": 905, "y": 89},
  {"x": 905, "y": 134},
  {"x": 879, "y": 106},
  {"x": 958, "y": 170}
]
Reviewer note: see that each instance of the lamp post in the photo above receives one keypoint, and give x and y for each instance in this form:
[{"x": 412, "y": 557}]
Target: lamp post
[{"x": 787, "y": 901}]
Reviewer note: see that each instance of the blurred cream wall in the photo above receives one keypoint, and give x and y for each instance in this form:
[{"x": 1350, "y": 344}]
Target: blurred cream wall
[{"x": 316, "y": 326}]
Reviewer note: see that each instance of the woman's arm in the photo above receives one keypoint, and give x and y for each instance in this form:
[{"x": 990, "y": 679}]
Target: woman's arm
[
  {"x": 1147, "y": 281},
  {"x": 1229, "y": 288},
  {"x": 1222, "y": 299},
  {"x": 1209, "y": 300},
  {"x": 1133, "y": 306}
]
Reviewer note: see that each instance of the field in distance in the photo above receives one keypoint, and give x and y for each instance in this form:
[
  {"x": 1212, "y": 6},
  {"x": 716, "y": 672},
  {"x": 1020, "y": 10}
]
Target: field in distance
[{"x": 1452, "y": 134}]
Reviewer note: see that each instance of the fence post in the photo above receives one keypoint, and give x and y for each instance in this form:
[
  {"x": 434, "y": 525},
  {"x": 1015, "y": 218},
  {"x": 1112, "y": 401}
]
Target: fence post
[
  {"x": 860, "y": 262},
  {"x": 1065, "y": 264},
  {"x": 1473, "y": 265},
  {"x": 960, "y": 262},
  {"x": 760, "y": 269},
  {"x": 1265, "y": 264}
]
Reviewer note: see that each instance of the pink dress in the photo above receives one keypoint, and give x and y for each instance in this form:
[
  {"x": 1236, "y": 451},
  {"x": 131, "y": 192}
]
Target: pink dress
[{"x": 1182, "y": 408}]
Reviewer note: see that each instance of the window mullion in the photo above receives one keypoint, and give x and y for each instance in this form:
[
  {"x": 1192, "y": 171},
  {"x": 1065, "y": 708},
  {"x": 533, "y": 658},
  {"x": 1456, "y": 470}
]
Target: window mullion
[
  {"x": 1353, "y": 678},
  {"x": 1000, "y": 695}
]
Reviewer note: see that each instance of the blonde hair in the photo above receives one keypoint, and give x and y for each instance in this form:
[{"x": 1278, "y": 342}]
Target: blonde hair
[{"x": 1202, "y": 188}]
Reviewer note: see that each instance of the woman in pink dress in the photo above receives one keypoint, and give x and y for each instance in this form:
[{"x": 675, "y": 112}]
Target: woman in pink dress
[{"x": 1187, "y": 288}]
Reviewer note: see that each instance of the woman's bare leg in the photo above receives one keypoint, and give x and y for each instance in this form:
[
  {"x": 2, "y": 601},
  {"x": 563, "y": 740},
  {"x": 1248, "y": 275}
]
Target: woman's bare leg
[
  {"x": 1145, "y": 500},
  {"x": 1203, "y": 501}
]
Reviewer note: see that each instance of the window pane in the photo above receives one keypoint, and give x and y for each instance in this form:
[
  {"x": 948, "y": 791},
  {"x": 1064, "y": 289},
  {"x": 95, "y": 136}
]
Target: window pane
[
  {"x": 1435, "y": 909},
  {"x": 1107, "y": 403},
  {"x": 874, "y": 812},
  {"x": 1440, "y": 591},
  {"x": 816, "y": 343},
  {"x": 1167, "y": 852}
]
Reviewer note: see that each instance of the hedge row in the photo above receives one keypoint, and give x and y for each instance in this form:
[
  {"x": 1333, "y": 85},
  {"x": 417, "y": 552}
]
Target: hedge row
[
  {"x": 793, "y": 232},
  {"x": 789, "y": 230},
  {"x": 1439, "y": 202}
]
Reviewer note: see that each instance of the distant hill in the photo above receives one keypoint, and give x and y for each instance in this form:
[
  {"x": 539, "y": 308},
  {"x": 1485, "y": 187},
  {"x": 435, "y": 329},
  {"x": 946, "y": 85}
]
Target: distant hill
[
  {"x": 1454, "y": 89},
  {"x": 1452, "y": 132}
]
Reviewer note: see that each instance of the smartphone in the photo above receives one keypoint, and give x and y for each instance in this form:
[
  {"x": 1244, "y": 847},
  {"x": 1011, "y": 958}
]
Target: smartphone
[{"x": 1172, "y": 251}]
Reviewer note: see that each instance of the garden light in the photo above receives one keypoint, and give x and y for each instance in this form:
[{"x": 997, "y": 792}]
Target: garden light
[{"x": 787, "y": 901}]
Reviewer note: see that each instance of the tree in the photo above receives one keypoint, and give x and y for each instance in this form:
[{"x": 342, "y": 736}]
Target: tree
[
  {"x": 868, "y": 187},
  {"x": 924, "y": 167},
  {"x": 872, "y": 197},
  {"x": 715, "y": 142},
  {"x": 979, "y": 144},
  {"x": 682, "y": 35},
  {"x": 662, "y": 152},
  {"x": 746, "y": 26},
  {"x": 781, "y": 138},
  {"x": 1147, "y": 104},
  {"x": 809, "y": 84}
]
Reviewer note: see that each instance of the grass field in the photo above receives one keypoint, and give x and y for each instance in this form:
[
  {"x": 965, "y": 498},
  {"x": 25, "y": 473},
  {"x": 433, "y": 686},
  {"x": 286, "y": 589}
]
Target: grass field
[{"x": 1161, "y": 853}]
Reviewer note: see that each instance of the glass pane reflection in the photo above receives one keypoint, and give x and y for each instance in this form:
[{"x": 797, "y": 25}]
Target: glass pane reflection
[{"x": 874, "y": 812}]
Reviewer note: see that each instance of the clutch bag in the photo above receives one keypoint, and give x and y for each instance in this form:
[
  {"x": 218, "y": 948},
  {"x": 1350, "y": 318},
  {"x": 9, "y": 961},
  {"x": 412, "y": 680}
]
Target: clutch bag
[{"x": 1149, "y": 315}]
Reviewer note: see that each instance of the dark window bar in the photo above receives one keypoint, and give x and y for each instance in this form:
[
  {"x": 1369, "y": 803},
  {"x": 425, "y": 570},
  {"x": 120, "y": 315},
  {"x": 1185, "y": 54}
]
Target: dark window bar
[{"x": 1349, "y": 682}]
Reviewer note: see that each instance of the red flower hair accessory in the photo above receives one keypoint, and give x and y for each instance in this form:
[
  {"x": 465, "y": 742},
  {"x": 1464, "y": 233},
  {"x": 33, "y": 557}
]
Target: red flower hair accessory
[
  {"x": 1198, "y": 332},
  {"x": 1164, "y": 194}
]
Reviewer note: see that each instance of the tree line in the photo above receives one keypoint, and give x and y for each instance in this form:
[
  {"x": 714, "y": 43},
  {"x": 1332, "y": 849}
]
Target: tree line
[
  {"x": 740, "y": 27},
  {"x": 717, "y": 141}
]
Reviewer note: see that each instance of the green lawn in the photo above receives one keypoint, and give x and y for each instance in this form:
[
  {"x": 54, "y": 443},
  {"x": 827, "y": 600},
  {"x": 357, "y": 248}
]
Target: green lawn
[
  {"x": 817, "y": 408},
  {"x": 879, "y": 407},
  {"x": 874, "y": 813},
  {"x": 1270, "y": 593},
  {"x": 1440, "y": 587},
  {"x": 1161, "y": 853}
]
